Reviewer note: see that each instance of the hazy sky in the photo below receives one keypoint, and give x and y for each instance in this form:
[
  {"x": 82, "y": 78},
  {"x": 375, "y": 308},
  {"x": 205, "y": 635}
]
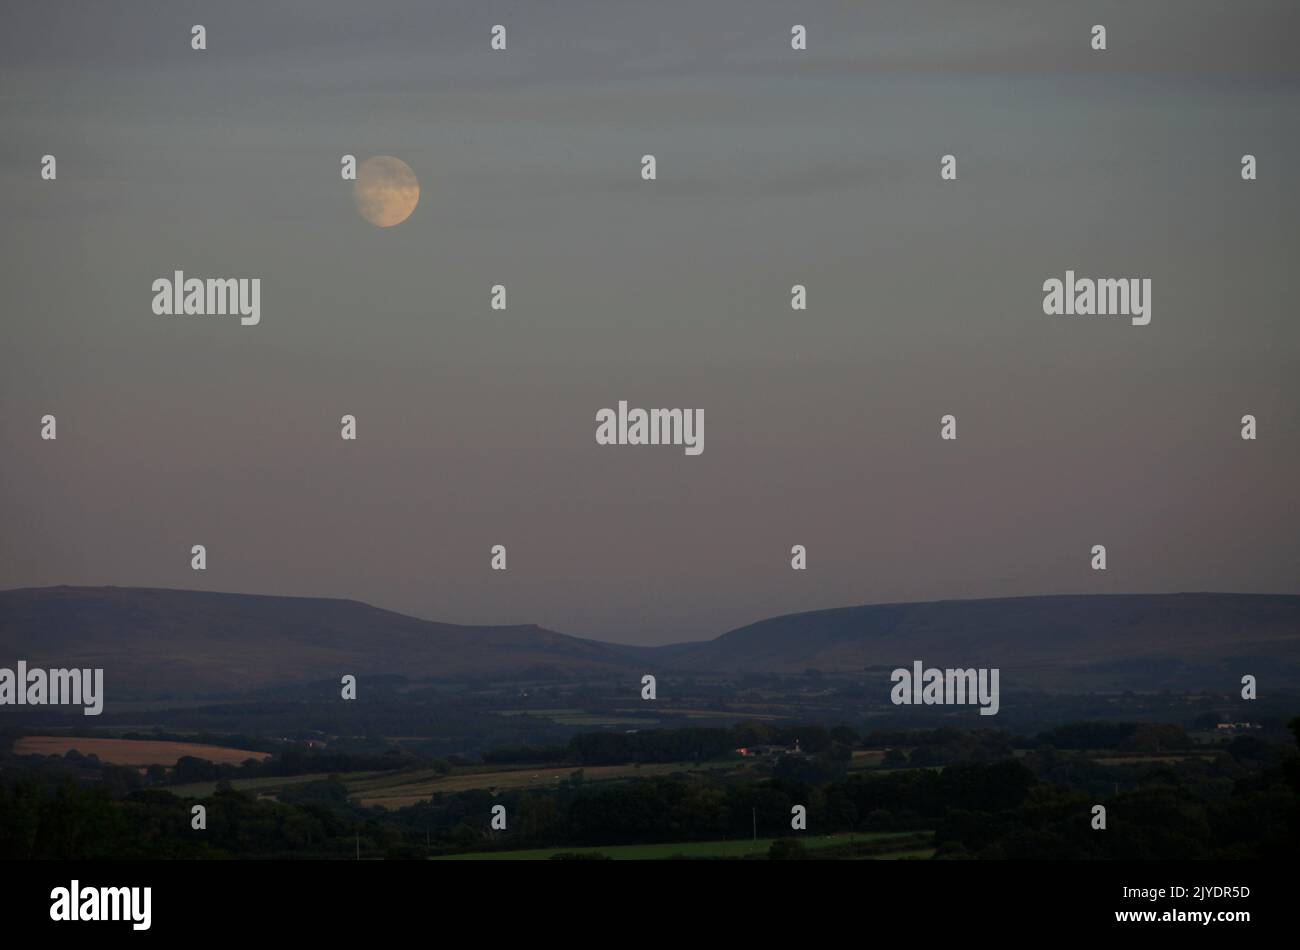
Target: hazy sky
[{"x": 476, "y": 427}]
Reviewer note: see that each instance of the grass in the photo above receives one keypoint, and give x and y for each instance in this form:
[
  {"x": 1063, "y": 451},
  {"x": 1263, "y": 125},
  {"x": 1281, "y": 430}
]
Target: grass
[
  {"x": 260, "y": 785},
  {"x": 398, "y": 789},
  {"x": 866, "y": 759},
  {"x": 705, "y": 849}
]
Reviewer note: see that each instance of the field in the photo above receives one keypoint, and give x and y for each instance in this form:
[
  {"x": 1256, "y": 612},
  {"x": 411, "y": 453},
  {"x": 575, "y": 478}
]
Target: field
[
  {"x": 400, "y": 789},
  {"x": 396, "y": 790},
  {"x": 866, "y": 759},
  {"x": 712, "y": 849},
  {"x": 1149, "y": 759},
  {"x": 132, "y": 751},
  {"x": 633, "y": 717},
  {"x": 407, "y": 787}
]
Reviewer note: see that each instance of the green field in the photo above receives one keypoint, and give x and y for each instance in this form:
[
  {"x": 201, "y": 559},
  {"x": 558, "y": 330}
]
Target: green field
[
  {"x": 707, "y": 849},
  {"x": 254, "y": 785},
  {"x": 398, "y": 789},
  {"x": 401, "y": 788}
]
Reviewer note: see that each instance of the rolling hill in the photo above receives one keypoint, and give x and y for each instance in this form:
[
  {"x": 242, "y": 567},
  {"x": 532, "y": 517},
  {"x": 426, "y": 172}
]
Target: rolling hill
[
  {"x": 181, "y": 641},
  {"x": 199, "y": 643},
  {"x": 1079, "y": 643}
]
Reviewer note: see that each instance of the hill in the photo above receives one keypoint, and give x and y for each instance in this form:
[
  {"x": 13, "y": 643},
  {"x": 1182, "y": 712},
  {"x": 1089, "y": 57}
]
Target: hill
[
  {"x": 196, "y": 642},
  {"x": 177, "y": 642},
  {"x": 1079, "y": 643}
]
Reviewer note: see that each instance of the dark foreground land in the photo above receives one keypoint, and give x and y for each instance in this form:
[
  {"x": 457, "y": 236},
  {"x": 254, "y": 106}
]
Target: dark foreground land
[{"x": 690, "y": 793}]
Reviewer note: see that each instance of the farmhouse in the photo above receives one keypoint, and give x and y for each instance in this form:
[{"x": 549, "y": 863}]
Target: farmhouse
[{"x": 769, "y": 751}]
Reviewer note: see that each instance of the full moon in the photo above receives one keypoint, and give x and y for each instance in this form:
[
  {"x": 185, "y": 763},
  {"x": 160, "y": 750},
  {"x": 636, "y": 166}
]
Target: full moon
[{"x": 386, "y": 190}]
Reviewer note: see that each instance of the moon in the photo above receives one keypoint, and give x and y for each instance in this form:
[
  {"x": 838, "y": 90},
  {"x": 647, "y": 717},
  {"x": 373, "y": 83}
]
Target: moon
[{"x": 386, "y": 190}]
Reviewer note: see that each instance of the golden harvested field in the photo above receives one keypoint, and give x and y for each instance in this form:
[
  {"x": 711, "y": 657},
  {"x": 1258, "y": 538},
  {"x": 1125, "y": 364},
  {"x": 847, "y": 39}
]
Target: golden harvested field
[{"x": 133, "y": 751}]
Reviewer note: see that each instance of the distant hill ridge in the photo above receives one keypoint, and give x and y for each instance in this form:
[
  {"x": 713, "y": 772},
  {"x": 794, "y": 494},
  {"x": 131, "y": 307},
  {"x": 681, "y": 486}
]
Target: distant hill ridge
[
  {"x": 1189, "y": 640},
  {"x": 207, "y": 642},
  {"x": 201, "y": 642}
]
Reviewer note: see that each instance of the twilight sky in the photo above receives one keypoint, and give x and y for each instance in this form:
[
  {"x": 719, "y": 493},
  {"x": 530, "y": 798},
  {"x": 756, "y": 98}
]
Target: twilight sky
[{"x": 476, "y": 427}]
